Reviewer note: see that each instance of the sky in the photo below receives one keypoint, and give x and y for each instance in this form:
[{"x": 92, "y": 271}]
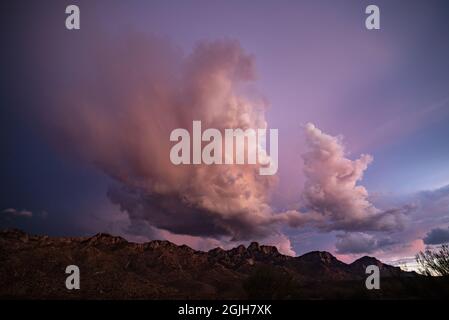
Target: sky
[{"x": 362, "y": 115}]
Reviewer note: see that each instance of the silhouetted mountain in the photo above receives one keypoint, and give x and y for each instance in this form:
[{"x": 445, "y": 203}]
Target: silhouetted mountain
[
  {"x": 322, "y": 265},
  {"x": 359, "y": 267},
  {"x": 111, "y": 267}
]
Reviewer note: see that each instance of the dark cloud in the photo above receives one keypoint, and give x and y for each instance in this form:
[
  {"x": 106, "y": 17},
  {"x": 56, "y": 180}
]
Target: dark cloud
[
  {"x": 170, "y": 212},
  {"x": 358, "y": 242},
  {"x": 437, "y": 236},
  {"x": 432, "y": 205}
]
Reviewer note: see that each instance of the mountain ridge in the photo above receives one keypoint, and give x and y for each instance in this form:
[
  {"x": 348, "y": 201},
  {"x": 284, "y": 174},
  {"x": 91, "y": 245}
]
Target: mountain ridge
[
  {"x": 112, "y": 267},
  {"x": 103, "y": 237}
]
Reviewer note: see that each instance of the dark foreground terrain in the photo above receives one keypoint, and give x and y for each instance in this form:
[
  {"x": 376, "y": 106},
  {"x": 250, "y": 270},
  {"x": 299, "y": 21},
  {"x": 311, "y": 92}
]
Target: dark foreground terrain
[{"x": 33, "y": 267}]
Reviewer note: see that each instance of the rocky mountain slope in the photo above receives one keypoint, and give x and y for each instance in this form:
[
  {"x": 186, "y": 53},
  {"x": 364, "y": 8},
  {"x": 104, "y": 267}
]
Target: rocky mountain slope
[{"x": 113, "y": 268}]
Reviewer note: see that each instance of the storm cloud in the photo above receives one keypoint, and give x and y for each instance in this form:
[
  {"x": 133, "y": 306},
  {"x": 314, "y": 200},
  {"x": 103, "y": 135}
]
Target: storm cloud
[
  {"x": 125, "y": 95},
  {"x": 437, "y": 236},
  {"x": 118, "y": 113},
  {"x": 359, "y": 242}
]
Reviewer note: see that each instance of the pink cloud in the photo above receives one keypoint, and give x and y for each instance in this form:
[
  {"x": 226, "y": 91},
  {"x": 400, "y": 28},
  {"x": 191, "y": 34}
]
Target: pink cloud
[{"x": 332, "y": 198}]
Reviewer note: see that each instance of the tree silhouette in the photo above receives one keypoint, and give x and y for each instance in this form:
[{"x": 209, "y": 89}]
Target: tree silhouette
[{"x": 434, "y": 263}]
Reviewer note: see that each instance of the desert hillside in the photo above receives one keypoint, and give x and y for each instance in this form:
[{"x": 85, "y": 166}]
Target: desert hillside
[{"x": 33, "y": 267}]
